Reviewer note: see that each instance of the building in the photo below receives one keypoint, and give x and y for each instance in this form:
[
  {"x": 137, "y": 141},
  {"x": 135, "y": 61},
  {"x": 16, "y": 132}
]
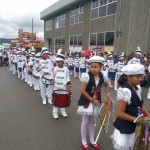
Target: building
[{"x": 106, "y": 25}]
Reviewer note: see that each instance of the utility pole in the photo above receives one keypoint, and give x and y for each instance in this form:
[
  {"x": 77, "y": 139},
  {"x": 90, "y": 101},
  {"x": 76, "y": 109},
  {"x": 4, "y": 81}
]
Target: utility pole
[{"x": 32, "y": 31}]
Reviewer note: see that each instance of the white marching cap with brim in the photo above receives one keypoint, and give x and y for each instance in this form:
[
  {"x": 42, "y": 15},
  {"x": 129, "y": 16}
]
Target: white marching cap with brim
[
  {"x": 38, "y": 55},
  {"x": 110, "y": 54},
  {"x": 60, "y": 57},
  {"x": 138, "y": 51},
  {"x": 44, "y": 51},
  {"x": 121, "y": 56},
  {"x": 96, "y": 59},
  {"x": 133, "y": 69}
]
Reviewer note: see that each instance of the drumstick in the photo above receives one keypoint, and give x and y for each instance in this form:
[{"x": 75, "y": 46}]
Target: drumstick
[{"x": 138, "y": 118}]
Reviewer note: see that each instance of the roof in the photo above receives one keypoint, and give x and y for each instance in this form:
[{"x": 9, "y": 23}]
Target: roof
[{"x": 59, "y": 7}]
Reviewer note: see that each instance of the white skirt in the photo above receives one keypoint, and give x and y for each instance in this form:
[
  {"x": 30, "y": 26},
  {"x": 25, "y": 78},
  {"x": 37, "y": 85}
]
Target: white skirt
[
  {"x": 91, "y": 110},
  {"x": 123, "y": 141}
]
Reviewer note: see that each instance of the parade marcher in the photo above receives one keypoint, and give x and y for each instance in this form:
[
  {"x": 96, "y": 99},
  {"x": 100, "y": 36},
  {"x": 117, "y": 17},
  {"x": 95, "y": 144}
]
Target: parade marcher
[
  {"x": 14, "y": 61},
  {"x": 26, "y": 66},
  {"x": 90, "y": 99},
  {"x": 82, "y": 64},
  {"x": 76, "y": 66},
  {"x": 70, "y": 62},
  {"x": 1, "y": 58},
  {"x": 10, "y": 59},
  {"x": 45, "y": 67},
  {"x": 136, "y": 58},
  {"x": 118, "y": 67},
  {"x": 110, "y": 68},
  {"x": 36, "y": 74},
  {"x": 19, "y": 64},
  {"x": 61, "y": 81},
  {"x": 129, "y": 102}
]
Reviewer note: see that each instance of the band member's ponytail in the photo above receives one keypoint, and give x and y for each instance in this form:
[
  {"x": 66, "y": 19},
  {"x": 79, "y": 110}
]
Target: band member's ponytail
[{"x": 122, "y": 79}]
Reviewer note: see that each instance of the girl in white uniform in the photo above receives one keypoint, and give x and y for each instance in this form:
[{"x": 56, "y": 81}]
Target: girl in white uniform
[
  {"x": 129, "y": 102},
  {"x": 90, "y": 99},
  {"x": 61, "y": 81}
]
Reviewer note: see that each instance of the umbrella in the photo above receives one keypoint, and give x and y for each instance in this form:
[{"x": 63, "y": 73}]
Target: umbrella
[{"x": 87, "y": 52}]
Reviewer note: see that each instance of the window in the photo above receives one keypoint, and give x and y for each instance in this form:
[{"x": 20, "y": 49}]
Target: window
[
  {"x": 103, "y": 2},
  {"x": 102, "y": 11},
  {"x": 76, "y": 15},
  {"x": 109, "y": 38},
  {"x": 95, "y": 3},
  {"x": 48, "y": 25},
  {"x": 102, "y": 39},
  {"x": 60, "y": 21},
  {"x": 76, "y": 40},
  {"x": 59, "y": 42},
  {"x": 93, "y": 39},
  {"x": 111, "y": 8},
  {"x": 101, "y": 8}
]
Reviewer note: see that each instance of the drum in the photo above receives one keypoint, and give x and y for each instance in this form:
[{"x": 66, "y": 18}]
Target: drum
[
  {"x": 46, "y": 78},
  {"x": 36, "y": 74},
  {"x": 61, "y": 98}
]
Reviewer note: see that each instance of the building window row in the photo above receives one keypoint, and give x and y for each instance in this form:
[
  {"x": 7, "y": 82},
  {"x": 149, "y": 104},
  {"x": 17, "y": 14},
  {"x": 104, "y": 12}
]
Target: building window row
[
  {"x": 102, "y": 39},
  {"x": 101, "y": 8},
  {"x": 60, "y": 21},
  {"x": 76, "y": 15},
  {"x": 48, "y": 25}
]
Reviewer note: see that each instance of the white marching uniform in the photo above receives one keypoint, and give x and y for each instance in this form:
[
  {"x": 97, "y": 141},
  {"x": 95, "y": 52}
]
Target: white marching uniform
[
  {"x": 76, "y": 67},
  {"x": 82, "y": 66},
  {"x": 46, "y": 66},
  {"x": 19, "y": 66},
  {"x": 70, "y": 62},
  {"x": 111, "y": 71},
  {"x": 118, "y": 66},
  {"x": 134, "y": 61},
  {"x": 36, "y": 77},
  {"x": 14, "y": 61},
  {"x": 61, "y": 77}
]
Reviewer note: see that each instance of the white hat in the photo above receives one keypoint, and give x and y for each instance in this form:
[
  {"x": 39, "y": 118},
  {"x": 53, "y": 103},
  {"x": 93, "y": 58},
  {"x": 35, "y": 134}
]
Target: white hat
[
  {"x": 121, "y": 56},
  {"x": 60, "y": 57},
  {"x": 38, "y": 55},
  {"x": 138, "y": 51},
  {"x": 59, "y": 51},
  {"x": 44, "y": 51},
  {"x": 110, "y": 54},
  {"x": 96, "y": 59},
  {"x": 133, "y": 69}
]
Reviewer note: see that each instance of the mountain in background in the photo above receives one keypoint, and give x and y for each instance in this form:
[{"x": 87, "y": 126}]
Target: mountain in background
[{"x": 4, "y": 40}]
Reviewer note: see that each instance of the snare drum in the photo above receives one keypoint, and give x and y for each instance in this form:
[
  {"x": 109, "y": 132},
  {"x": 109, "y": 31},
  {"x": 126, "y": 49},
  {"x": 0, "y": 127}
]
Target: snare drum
[
  {"x": 61, "y": 98},
  {"x": 36, "y": 74},
  {"x": 46, "y": 78}
]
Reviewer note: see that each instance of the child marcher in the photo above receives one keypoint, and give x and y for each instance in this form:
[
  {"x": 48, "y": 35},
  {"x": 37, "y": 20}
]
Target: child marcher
[
  {"x": 61, "y": 81},
  {"x": 129, "y": 104},
  {"x": 90, "y": 99},
  {"x": 45, "y": 67}
]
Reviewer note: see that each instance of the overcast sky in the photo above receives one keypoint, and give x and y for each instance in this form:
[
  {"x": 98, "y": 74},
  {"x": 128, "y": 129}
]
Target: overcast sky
[{"x": 17, "y": 14}]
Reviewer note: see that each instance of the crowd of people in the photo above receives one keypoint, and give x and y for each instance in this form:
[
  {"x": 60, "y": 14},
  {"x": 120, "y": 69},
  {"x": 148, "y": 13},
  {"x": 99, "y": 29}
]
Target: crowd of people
[{"x": 47, "y": 72}]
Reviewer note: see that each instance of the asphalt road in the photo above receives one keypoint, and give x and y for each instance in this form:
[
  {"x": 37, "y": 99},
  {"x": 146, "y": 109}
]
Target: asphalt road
[{"x": 27, "y": 124}]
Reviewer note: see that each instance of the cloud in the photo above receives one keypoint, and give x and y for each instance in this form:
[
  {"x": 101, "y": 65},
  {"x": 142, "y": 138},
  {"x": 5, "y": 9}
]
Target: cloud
[{"x": 18, "y": 14}]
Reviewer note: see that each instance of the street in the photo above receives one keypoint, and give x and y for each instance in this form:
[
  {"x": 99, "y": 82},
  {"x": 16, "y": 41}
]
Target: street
[{"x": 27, "y": 124}]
